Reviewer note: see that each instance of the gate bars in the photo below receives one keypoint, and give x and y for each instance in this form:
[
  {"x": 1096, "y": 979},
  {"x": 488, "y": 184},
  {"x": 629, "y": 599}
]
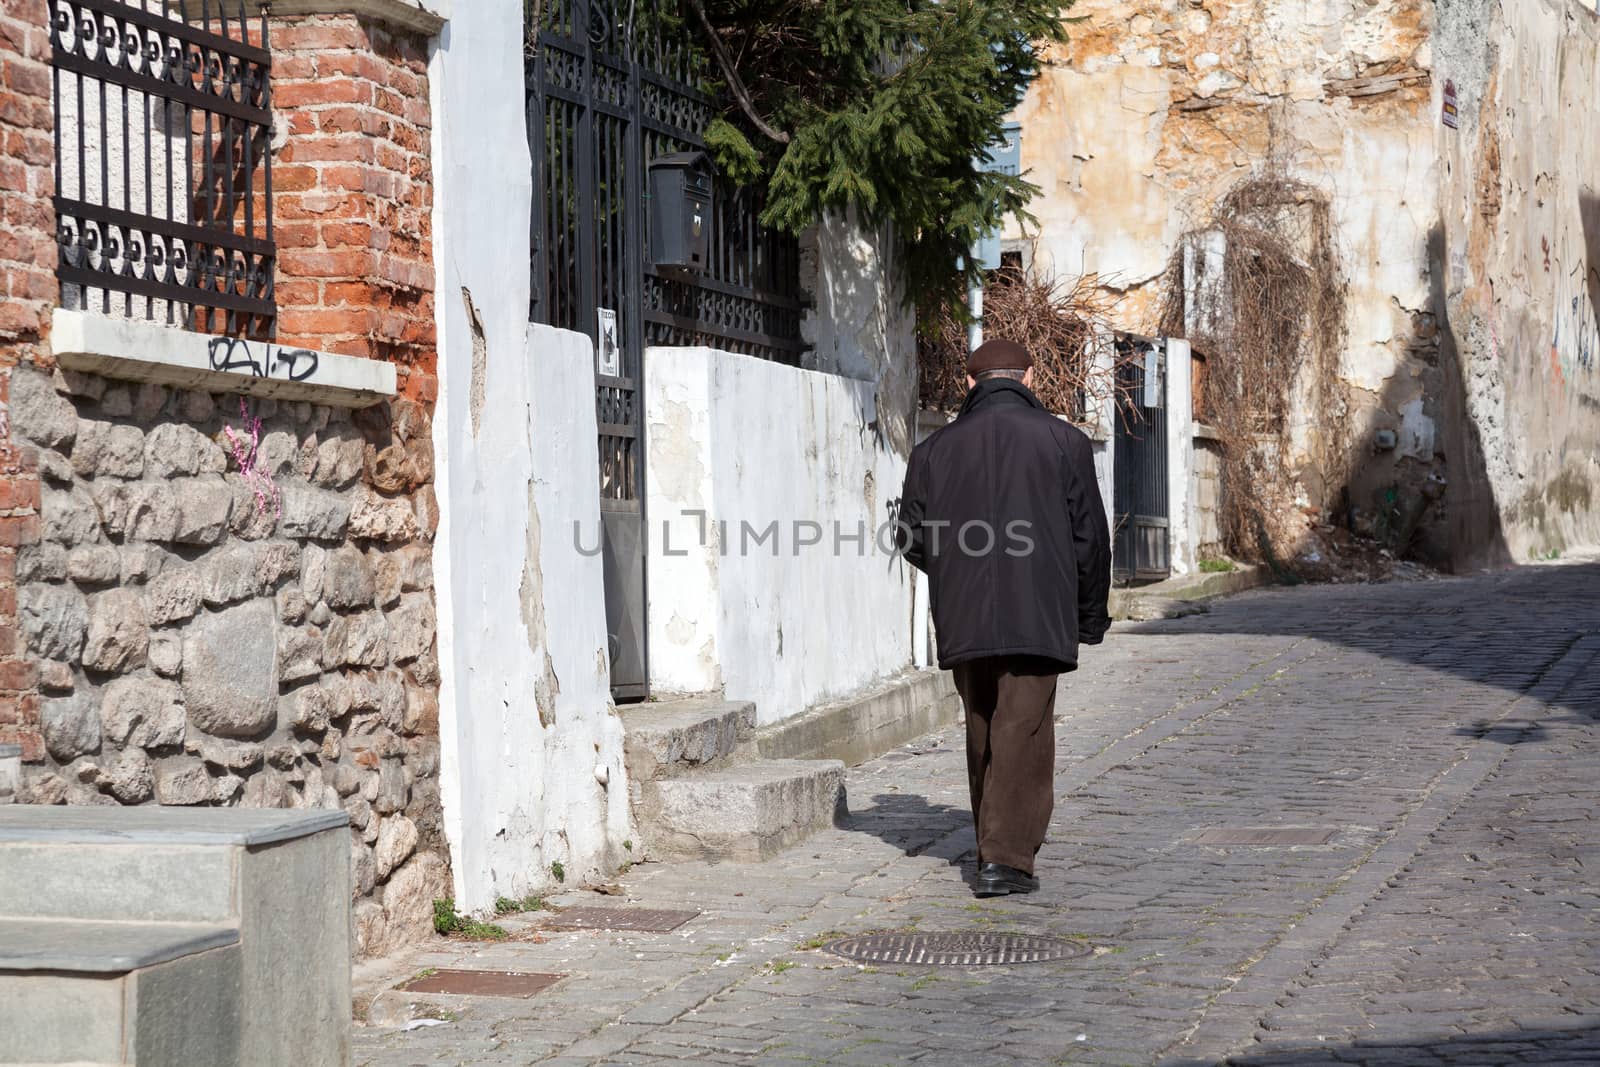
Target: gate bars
[{"x": 162, "y": 162}]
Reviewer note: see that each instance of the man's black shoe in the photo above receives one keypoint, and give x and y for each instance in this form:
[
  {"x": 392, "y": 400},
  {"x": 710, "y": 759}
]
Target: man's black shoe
[{"x": 997, "y": 880}]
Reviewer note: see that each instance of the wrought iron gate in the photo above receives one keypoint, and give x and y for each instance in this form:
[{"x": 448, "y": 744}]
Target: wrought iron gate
[
  {"x": 1141, "y": 548},
  {"x": 610, "y": 86}
]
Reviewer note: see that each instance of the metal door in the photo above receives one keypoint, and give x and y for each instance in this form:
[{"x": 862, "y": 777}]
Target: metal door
[{"x": 1141, "y": 550}]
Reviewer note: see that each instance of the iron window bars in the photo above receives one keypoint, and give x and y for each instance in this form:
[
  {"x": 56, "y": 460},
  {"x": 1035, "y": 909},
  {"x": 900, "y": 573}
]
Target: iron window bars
[{"x": 163, "y": 122}]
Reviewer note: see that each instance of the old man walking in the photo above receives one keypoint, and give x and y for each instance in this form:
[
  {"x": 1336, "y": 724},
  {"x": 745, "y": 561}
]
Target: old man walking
[{"x": 1002, "y": 511}]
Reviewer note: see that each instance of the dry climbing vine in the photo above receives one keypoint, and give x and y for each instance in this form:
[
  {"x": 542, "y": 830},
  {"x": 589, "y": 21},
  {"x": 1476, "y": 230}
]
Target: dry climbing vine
[
  {"x": 1065, "y": 326},
  {"x": 1259, "y": 290}
]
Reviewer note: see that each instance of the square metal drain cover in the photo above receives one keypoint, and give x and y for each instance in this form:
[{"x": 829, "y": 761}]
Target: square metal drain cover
[
  {"x": 643, "y": 920},
  {"x": 1303, "y": 835},
  {"x": 482, "y": 983}
]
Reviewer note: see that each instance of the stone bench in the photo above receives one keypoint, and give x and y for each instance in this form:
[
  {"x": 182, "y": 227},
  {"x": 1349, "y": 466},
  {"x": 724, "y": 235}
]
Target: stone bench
[{"x": 157, "y": 936}]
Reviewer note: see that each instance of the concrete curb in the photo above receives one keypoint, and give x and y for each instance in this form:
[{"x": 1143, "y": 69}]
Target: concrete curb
[
  {"x": 1177, "y": 597},
  {"x": 866, "y": 726}
]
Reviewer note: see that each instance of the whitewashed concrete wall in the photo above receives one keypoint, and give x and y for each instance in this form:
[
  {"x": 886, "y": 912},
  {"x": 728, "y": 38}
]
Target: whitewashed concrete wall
[
  {"x": 752, "y": 442},
  {"x": 526, "y": 723}
]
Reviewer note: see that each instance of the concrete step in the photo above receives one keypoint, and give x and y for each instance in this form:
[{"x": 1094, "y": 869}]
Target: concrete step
[
  {"x": 122, "y": 993},
  {"x": 667, "y": 737},
  {"x": 867, "y": 724},
  {"x": 150, "y": 882},
  {"x": 748, "y": 811}
]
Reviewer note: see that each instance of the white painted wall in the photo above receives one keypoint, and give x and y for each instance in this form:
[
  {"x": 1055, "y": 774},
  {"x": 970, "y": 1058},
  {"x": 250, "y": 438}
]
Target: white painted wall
[
  {"x": 749, "y": 441},
  {"x": 525, "y": 711}
]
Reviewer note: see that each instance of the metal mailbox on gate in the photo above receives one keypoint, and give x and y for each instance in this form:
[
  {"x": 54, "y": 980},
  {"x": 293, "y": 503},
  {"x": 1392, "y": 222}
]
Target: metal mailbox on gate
[{"x": 680, "y": 210}]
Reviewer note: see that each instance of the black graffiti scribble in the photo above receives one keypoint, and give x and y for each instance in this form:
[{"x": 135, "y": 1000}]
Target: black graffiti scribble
[
  {"x": 234, "y": 354},
  {"x": 303, "y": 358}
]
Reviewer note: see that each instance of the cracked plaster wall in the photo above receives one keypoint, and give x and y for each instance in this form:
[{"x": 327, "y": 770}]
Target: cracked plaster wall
[
  {"x": 1156, "y": 108},
  {"x": 748, "y": 609},
  {"x": 526, "y": 719}
]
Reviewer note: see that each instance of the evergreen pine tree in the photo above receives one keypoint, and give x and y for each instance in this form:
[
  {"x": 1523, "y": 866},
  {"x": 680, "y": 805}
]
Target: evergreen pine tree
[{"x": 880, "y": 106}]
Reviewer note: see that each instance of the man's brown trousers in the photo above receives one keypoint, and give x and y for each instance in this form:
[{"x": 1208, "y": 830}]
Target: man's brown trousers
[{"x": 1011, "y": 754}]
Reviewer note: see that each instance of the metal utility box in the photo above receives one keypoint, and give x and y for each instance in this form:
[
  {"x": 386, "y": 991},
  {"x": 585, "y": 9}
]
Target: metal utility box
[{"x": 680, "y": 210}]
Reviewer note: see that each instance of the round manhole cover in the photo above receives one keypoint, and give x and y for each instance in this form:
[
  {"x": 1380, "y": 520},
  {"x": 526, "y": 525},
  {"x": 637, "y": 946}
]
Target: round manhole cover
[{"x": 956, "y": 948}]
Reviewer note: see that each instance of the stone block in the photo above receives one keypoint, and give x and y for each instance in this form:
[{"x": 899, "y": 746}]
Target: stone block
[
  {"x": 142, "y": 712},
  {"x": 68, "y": 516},
  {"x": 95, "y": 565},
  {"x": 39, "y": 413},
  {"x": 165, "y": 654},
  {"x": 315, "y": 514},
  {"x": 182, "y": 780},
  {"x": 173, "y": 596},
  {"x": 129, "y": 778},
  {"x": 53, "y": 619},
  {"x": 231, "y": 574},
  {"x": 176, "y": 448},
  {"x": 749, "y": 811},
  {"x": 347, "y": 579},
  {"x": 383, "y": 519},
  {"x": 411, "y": 627},
  {"x": 230, "y": 671},
  {"x": 204, "y": 506},
  {"x": 299, "y": 653},
  {"x": 42, "y": 562},
  {"x": 117, "y": 635},
  {"x": 397, "y": 839},
  {"x": 70, "y": 725}
]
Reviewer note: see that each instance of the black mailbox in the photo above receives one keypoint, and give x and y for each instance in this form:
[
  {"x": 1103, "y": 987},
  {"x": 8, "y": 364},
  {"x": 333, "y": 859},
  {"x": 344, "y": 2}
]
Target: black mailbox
[{"x": 680, "y": 210}]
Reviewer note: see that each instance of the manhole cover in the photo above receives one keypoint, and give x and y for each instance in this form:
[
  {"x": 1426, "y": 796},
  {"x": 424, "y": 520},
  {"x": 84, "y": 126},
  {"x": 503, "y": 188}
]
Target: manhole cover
[
  {"x": 1266, "y": 836},
  {"x": 481, "y": 983},
  {"x": 644, "y": 920},
  {"x": 956, "y": 949}
]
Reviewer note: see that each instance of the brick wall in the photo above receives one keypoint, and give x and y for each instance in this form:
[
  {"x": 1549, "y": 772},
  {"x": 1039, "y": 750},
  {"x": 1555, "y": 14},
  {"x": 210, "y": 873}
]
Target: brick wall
[
  {"x": 27, "y": 293},
  {"x": 353, "y": 193}
]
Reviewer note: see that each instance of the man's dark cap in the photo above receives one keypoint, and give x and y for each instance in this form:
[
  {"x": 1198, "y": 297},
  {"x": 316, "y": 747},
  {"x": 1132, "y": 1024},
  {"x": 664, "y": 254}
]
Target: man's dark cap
[{"x": 998, "y": 355}]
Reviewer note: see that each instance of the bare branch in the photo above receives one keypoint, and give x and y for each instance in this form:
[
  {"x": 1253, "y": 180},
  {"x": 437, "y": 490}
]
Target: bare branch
[{"x": 735, "y": 85}]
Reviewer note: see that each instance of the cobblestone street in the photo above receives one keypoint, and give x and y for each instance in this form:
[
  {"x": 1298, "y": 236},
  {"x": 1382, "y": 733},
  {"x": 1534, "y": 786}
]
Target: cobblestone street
[{"x": 1446, "y": 732}]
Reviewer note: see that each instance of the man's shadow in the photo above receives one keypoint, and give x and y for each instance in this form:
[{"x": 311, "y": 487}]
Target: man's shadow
[{"x": 919, "y": 828}]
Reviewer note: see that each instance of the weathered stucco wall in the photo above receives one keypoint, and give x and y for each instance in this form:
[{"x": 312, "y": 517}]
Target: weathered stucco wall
[
  {"x": 1517, "y": 262},
  {"x": 532, "y": 749},
  {"x": 1469, "y": 253},
  {"x": 1157, "y": 108},
  {"x": 782, "y": 592}
]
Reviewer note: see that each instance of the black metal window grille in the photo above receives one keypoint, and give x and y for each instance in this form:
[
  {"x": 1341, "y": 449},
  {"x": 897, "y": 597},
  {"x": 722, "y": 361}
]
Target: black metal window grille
[
  {"x": 163, "y": 122},
  {"x": 611, "y": 85}
]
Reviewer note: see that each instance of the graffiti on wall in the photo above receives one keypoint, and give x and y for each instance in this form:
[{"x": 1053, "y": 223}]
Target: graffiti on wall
[
  {"x": 1575, "y": 339},
  {"x": 271, "y": 361}
]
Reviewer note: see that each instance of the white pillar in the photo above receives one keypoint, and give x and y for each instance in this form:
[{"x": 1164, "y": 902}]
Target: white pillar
[
  {"x": 1101, "y": 414},
  {"x": 1182, "y": 527}
]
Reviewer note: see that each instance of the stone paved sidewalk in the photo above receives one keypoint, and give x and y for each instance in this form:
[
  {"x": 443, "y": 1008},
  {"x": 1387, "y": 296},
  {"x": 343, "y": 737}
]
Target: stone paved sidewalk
[{"x": 1446, "y": 731}]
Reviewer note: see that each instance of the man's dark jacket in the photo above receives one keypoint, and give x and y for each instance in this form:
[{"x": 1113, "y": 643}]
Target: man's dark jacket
[{"x": 1041, "y": 588}]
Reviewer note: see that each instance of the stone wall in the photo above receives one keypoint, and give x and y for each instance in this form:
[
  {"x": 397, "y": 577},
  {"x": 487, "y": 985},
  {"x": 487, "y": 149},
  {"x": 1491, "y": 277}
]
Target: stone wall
[
  {"x": 197, "y": 607},
  {"x": 207, "y": 637}
]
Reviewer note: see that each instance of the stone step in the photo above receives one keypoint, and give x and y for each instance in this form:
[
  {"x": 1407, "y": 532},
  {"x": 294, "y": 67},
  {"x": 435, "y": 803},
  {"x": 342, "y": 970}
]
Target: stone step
[
  {"x": 748, "y": 811},
  {"x": 667, "y": 737},
  {"x": 120, "y": 992}
]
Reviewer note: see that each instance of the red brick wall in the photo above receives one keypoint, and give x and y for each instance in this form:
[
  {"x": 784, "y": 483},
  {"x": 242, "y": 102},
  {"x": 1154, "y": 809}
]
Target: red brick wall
[
  {"x": 353, "y": 193},
  {"x": 27, "y": 293}
]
